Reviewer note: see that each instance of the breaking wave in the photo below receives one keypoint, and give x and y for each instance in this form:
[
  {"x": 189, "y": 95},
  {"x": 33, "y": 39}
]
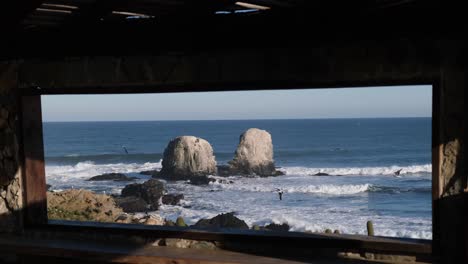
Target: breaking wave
[
  {"x": 331, "y": 189},
  {"x": 89, "y": 168},
  {"x": 390, "y": 170}
]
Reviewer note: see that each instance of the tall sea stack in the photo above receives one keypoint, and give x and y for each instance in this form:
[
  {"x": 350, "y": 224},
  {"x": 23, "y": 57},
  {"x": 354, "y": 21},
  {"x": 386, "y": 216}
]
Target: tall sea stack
[
  {"x": 186, "y": 157},
  {"x": 254, "y": 154}
]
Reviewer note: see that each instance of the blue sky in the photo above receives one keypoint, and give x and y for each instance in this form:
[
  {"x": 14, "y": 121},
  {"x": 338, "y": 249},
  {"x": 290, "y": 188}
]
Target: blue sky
[{"x": 390, "y": 101}]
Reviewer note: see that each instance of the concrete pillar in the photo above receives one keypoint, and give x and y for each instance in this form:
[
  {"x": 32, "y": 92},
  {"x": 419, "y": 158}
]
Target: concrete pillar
[
  {"x": 11, "y": 195},
  {"x": 451, "y": 209}
]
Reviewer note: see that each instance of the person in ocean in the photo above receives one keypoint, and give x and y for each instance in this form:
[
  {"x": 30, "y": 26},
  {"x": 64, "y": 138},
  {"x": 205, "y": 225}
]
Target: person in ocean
[
  {"x": 397, "y": 173},
  {"x": 280, "y": 193}
]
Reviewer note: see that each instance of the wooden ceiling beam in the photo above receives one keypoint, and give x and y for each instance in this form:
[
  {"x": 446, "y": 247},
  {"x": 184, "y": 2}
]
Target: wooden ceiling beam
[{"x": 13, "y": 12}]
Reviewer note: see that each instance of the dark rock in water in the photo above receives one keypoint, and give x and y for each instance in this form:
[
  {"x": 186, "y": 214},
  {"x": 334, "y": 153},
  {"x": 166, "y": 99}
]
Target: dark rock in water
[
  {"x": 224, "y": 170},
  {"x": 152, "y": 173},
  {"x": 172, "y": 199},
  {"x": 112, "y": 177},
  {"x": 201, "y": 180},
  {"x": 276, "y": 227},
  {"x": 131, "y": 204},
  {"x": 186, "y": 157},
  {"x": 227, "y": 220},
  {"x": 150, "y": 191},
  {"x": 321, "y": 174},
  {"x": 48, "y": 186},
  {"x": 278, "y": 173}
]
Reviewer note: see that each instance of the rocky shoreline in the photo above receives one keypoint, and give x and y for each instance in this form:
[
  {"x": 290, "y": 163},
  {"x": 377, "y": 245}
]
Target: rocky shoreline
[{"x": 186, "y": 158}]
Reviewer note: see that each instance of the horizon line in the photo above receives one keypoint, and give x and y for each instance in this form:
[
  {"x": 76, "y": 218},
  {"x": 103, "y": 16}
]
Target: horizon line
[{"x": 235, "y": 119}]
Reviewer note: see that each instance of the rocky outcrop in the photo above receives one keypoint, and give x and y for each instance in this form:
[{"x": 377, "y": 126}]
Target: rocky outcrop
[
  {"x": 112, "y": 177},
  {"x": 254, "y": 154},
  {"x": 172, "y": 199},
  {"x": 227, "y": 220},
  {"x": 150, "y": 191},
  {"x": 140, "y": 219},
  {"x": 201, "y": 180},
  {"x": 152, "y": 173},
  {"x": 81, "y": 205},
  {"x": 186, "y": 157},
  {"x": 277, "y": 227},
  {"x": 132, "y": 204}
]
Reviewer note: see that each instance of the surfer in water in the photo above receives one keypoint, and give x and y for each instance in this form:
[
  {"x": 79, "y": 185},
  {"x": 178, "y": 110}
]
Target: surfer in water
[
  {"x": 280, "y": 193},
  {"x": 397, "y": 173}
]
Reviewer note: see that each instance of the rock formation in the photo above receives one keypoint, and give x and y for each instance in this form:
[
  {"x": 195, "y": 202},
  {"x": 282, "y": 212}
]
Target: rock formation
[
  {"x": 112, "y": 177},
  {"x": 81, "y": 205},
  {"x": 172, "y": 199},
  {"x": 227, "y": 220},
  {"x": 254, "y": 154},
  {"x": 186, "y": 157},
  {"x": 150, "y": 191},
  {"x": 132, "y": 204}
]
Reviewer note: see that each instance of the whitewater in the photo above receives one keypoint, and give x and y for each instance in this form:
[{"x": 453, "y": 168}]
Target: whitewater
[
  {"x": 310, "y": 203},
  {"x": 360, "y": 157}
]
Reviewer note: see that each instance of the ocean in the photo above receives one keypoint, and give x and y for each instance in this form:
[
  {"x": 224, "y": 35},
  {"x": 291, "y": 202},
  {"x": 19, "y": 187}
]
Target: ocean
[{"x": 365, "y": 153}]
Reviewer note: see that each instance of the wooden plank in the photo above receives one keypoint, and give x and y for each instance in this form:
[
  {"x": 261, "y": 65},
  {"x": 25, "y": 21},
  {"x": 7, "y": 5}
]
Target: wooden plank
[{"x": 33, "y": 163}]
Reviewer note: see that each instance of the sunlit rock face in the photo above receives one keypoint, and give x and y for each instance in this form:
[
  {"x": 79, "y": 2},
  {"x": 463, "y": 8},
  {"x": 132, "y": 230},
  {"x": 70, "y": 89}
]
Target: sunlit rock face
[
  {"x": 254, "y": 154},
  {"x": 186, "y": 157}
]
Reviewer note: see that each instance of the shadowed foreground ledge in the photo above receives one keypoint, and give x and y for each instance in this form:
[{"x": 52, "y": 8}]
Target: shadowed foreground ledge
[{"x": 97, "y": 252}]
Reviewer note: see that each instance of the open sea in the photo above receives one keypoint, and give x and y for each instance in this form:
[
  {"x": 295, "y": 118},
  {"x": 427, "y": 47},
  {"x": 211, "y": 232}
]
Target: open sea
[{"x": 365, "y": 153}]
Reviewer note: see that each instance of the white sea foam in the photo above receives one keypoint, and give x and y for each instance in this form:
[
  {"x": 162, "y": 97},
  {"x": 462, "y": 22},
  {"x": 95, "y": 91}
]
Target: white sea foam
[
  {"x": 88, "y": 169},
  {"x": 345, "y": 189},
  {"x": 67, "y": 176},
  {"x": 309, "y": 203},
  {"x": 389, "y": 170}
]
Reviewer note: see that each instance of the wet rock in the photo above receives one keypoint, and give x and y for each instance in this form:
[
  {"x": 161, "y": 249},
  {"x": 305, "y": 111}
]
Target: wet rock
[
  {"x": 152, "y": 173},
  {"x": 278, "y": 173},
  {"x": 276, "y": 227},
  {"x": 224, "y": 170},
  {"x": 123, "y": 219},
  {"x": 321, "y": 174},
  {"x": 150, "y": 191},
  {"x": 81, "y": 205},
  {"x": 112, "y": 177},
  {"x": 254, "y": 154},
  {"x": 227, "y": 220},
  {"x": 186, "y": 157},
  {"x": 201, "y": 180},
  {"x": 132, "y": 204},
  {"x": 172, "y": 199}
]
